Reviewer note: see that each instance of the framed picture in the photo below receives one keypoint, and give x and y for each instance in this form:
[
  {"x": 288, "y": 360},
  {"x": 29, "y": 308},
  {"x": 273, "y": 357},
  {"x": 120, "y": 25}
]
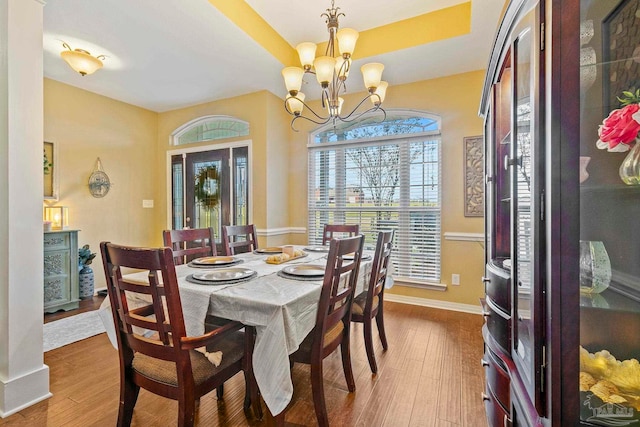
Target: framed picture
[
  {"x": 620, "y": 42},
  {"x": 473, "y": 176},
  {"x": 50, "y": 171}
]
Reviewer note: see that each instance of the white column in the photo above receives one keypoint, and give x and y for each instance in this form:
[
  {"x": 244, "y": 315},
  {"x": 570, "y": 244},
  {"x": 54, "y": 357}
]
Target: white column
[{"x": 24, "y": 378}]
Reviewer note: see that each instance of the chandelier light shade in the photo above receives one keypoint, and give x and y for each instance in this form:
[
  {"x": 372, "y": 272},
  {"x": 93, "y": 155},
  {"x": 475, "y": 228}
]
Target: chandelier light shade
[
  {"x": 331, "y": 71},
  {"x": 81, "y": 61}
]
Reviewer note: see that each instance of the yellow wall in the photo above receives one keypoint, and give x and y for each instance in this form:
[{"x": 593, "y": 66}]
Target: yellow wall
[
  {"x": 85, "y": 126},
  {"x": 269, "y": 142},
  {"x": 133, "y": 144},
  {"x": 455, "y": 99}
]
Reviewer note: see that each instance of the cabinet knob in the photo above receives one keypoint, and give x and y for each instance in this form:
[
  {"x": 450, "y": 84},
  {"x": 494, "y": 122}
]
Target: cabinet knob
[
  {"x": 485, "y": 279},
  {"x": 486, "y": 313},
  {"x": 484, "y": 363},
  {"x": 485, "y": 397}
]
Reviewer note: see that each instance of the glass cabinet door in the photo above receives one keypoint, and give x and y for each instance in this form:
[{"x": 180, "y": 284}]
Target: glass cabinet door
[
  {"x": 527, "y": 188},
  {"x": 609, "y": 212}
]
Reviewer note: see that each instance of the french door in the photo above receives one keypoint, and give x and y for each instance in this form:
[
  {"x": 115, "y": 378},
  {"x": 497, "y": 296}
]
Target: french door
[{"x": 210, "y": 189}]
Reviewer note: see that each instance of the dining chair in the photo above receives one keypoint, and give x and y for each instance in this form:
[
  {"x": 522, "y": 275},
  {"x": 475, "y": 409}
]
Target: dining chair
[
  {"x": 369, "y": 304},
  {"x": 333, "y": 319},
  {"x": 190, "y": 243},
  {"x": 239, "y": 238},
  {"x": 330, "y": 229},
  {"x": 153, "y": 348}
]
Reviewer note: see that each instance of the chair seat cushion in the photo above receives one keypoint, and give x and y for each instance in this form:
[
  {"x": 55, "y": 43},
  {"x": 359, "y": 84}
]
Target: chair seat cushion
[
  {"x": 329, "y": 336},
  {"x": 165, "y": 372},
  {"x": 360, "y": 301}
]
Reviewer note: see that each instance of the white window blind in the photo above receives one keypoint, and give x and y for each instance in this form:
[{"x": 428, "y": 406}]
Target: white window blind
[{"x": 388, "y": 182}]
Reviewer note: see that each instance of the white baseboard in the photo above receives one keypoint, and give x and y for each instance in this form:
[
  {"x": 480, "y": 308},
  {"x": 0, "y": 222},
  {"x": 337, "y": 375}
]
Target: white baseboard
[
  {"x": 424, "y": 302},
  {"x": 21, "y": 392}
]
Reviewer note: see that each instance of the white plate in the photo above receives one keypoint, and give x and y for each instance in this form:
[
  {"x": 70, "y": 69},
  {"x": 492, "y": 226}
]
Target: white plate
[
  {"x": 215, "y": 260},
  {"x": 317, "y": 249},
  {"x": 223, "y": 275},
  {"x": 364, "y": 257},
  {"x": 305, "y": 270},
  {"x": 271, "y": 250}
]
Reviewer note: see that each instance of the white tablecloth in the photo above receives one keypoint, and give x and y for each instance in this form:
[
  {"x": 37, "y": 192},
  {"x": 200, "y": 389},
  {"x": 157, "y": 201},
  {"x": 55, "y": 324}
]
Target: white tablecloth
[{"x": 282, "y": 310}]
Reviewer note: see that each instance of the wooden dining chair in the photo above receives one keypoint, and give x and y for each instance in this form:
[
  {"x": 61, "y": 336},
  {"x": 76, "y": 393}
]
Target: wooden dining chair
[
  {"x": 369, "y": 304},
  {"x": 190, "y": 243},
  {"x": 333, "y": 319},
  {"x": 344, "y": 229},
  {"x": 166, "y": 362},
  {"x": 239, "y": 238}
]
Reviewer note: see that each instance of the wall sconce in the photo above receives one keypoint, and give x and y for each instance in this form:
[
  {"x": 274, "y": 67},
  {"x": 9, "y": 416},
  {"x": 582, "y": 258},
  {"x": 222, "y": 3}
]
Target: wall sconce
[
  {"x": 58, "y": 215},
  {"x": 81, "y": 61}
]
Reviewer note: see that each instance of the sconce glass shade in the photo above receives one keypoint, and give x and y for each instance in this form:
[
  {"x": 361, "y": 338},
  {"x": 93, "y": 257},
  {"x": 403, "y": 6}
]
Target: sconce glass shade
[
  {"x": 324, "y": 66},
  {"x": 307, "y": 53},
  {"x": 381, "y": 91},
  {"x": 295, "y": 104},
  {"x": 372, "y": 74},
  {"x": 81, "y": 61},
  {"x": 58, "y": 215},
  {"x": 293, "y": 79},
  {"x": 347, "y": 38}
]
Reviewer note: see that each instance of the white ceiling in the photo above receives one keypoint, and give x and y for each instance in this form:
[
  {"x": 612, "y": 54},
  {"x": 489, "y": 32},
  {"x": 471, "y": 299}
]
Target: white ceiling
[{"x": 168, "y": 54}]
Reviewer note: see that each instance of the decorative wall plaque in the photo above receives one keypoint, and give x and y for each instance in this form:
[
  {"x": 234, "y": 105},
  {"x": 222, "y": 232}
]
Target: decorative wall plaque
[{"x": 473, "y": 176}]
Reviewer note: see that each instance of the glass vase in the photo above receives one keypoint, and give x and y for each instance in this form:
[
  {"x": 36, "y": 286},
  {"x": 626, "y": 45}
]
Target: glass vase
[
  {"x": 595, "y": 267},
  {"x": 630, "y": 167}
]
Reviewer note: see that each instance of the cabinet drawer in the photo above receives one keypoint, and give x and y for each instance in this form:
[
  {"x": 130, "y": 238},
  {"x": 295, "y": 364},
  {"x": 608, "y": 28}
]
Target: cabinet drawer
[
  {"x": 56, "y": 241},
  {"x": 497, "y": 378},
  {"x": 496, "y": 285},
  {"x": 496, "y": 414},
  {"x": 498, "y": 323}
]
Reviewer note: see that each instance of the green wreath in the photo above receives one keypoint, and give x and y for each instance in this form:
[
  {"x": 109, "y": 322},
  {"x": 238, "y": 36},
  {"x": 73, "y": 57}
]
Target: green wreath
[{"x": 207, "y": 187}]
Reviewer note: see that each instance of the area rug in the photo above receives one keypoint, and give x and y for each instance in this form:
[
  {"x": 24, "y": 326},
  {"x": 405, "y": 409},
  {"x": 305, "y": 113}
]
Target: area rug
[{"x": 71, "y": 329}]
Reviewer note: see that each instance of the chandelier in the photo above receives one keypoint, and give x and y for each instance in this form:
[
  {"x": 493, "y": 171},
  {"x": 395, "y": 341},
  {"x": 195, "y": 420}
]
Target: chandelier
[{"x": 331, "y": 72}]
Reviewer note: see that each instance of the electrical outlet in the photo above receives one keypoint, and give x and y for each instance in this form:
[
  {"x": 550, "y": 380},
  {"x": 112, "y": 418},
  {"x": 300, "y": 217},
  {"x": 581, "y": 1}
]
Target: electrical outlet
[
  {"x": 147, "y": 203},
  {"x": 455, "y": 279}
]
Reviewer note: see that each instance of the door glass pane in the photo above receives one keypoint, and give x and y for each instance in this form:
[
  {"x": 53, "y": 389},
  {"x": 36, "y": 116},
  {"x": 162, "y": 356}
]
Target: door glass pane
[
  {"x": 523, "y": 239},
  {"x": 207, "y": 195},
  {"x": 177, "y": 193},
  {"x": 240, "y": 186},
  {"x": 609, "y": 210}
]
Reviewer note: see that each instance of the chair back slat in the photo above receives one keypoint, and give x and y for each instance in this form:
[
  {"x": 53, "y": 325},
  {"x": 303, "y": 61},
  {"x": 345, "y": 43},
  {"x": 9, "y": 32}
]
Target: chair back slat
[
  {"x": 343, "y": 230},
  {"x": 161, "y": 314},
  {"x": 190, "y": 244},
  {"x": 379, "y": 267},
  {"x": 339, "y": 282},
  {"x": 239, "y": 238}
]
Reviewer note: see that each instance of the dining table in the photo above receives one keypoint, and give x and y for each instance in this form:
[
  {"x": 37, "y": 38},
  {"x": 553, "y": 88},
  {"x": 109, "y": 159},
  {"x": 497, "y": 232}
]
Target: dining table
[{"x": 281, "y": 307}]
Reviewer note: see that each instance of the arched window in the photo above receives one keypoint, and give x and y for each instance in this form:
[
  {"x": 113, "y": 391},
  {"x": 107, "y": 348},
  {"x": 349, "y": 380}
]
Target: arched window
[
  {"x": 210, "y": 128},
  {"x": 381, "y": 175}
]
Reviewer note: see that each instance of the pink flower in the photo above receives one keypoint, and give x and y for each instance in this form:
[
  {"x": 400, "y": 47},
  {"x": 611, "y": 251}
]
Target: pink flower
[{"x": 618, "y": 132}]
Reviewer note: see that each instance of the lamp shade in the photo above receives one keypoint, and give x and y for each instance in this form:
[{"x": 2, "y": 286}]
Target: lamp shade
[
  {"x": 324, "y": 66},
  {"x": 347, "y": 38},
  {"x": 381, "y": 91},
  {"x": 372, "y": 74},
  {"x": 295, "y": 104},
  {"x": 58, "y": 216},
  {"x": 81, "y": 61},
  {"x": 343, "y": 66},
  {"x": 307, "y": 53},
  {"x": 293, "y": 79},
  {"x": 335, "y": 110}
]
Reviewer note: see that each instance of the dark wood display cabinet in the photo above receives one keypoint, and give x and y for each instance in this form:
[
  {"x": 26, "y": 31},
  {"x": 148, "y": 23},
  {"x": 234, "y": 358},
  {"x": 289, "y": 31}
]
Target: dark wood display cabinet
[{"x": 562, "y": 222}]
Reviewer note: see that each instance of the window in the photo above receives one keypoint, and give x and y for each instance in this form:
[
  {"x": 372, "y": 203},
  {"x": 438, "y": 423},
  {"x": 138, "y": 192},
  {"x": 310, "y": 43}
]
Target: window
[
  {"x": 382, "y": 176},
  {"x": 210, "y": 128}
]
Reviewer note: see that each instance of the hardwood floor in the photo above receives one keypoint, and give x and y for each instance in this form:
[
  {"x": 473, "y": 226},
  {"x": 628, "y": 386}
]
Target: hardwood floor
[{"x": 430, "y": 376}]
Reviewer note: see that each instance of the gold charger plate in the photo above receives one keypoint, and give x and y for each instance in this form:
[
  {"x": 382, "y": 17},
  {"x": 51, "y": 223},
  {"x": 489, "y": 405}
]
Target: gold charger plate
[
  {"x": 270, "y": 250},
  {"x": 304, "y": 270},
  {"x": 214, "y": 260}
]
